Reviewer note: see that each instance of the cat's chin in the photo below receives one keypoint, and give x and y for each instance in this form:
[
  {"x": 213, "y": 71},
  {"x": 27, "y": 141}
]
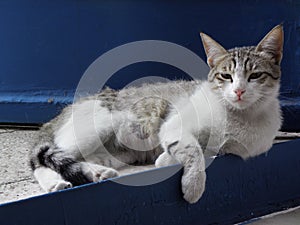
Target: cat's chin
[{"x": 239, "y": 105}]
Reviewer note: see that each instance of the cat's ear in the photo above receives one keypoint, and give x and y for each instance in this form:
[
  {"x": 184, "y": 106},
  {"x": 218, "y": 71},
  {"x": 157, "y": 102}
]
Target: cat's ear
[
  {"x": 212, "y": 49},
  {"x": 272, "y": 44}
]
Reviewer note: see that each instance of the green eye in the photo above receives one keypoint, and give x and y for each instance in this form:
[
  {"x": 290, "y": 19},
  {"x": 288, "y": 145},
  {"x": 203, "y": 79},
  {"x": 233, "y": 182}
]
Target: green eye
[
  {"x": 254, "y": 76},
  {"x": 226, "y": 76}
]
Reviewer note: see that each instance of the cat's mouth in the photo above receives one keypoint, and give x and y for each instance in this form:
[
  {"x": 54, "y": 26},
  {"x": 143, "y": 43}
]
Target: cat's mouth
[{"x": 239, "y": 103}]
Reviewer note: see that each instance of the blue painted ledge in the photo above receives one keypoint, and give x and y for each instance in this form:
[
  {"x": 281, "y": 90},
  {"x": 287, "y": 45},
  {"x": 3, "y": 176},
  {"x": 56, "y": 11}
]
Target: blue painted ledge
[
  {"x": 235, "y": 191},
  {"x": 34, "y": 106},
  {"x": 37, "y": 107}
]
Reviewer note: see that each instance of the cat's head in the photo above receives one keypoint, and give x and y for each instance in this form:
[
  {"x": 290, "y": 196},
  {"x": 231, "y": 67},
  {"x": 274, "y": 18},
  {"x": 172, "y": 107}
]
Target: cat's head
[{"x": 246, "y": 76}]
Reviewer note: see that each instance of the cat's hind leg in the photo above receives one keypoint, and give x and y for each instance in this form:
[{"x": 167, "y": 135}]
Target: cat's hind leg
[
  {"x": 97, "y": 172},
  {"x": 59, "y": 165},
  {"x": 50, "y": 180},
  {"x": 66, "y": 142}
]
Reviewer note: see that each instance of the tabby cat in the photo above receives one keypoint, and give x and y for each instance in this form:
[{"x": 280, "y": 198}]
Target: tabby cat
[{"x": 235, "y": 111}]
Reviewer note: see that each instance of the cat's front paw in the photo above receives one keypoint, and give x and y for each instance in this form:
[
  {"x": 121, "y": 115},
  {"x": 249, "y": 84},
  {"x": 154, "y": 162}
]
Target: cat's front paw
[{"x": 193, "y": 185}]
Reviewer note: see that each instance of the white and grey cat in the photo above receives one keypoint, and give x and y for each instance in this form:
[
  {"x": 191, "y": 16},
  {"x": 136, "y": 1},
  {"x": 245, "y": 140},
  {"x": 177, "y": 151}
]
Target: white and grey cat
[{"x": 235, "y": 111}]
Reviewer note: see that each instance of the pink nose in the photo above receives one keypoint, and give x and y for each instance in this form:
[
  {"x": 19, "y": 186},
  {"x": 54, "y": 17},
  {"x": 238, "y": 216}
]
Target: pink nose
[{"x": 239, "y": 92}]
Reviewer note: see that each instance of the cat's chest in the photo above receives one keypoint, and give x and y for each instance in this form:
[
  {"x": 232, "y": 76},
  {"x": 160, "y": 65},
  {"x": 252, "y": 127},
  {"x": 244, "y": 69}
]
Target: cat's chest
[{"x": 248, "y": 137}]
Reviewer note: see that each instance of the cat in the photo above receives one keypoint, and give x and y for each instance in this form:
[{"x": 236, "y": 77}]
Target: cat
[{"x": 236, "y": 110}]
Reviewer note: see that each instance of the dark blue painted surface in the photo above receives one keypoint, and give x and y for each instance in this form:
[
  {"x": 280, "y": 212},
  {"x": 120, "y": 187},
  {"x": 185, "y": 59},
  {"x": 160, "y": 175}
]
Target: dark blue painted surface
[
  {"x": 235, "y": 191},
  {"x": 47, "y": 45}
]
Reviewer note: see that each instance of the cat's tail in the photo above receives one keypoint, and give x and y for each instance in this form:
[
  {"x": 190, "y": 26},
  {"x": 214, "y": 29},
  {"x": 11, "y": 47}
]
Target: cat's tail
[{"x": 45, "y": 154}]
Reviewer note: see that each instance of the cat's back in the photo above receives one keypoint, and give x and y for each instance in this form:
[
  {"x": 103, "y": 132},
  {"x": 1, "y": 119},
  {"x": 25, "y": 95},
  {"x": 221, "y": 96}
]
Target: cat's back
[
  {"x": 141, "y": 100},
  {"x": 168, "y": 92}
]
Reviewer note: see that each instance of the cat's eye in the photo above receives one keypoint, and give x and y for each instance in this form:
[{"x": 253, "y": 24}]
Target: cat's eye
[
  {"x": 254, "y": 76},
  {"x": 226, "y": 76}
]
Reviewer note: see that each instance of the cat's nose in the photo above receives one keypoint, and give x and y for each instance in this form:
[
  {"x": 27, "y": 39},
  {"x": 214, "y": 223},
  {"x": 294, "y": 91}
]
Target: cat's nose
[{"x": 239, "y": 92}]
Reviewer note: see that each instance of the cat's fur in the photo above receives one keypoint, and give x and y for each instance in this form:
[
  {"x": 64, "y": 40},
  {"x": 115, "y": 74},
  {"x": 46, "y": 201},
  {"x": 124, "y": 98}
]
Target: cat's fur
[{"x": 236, "y": 111}]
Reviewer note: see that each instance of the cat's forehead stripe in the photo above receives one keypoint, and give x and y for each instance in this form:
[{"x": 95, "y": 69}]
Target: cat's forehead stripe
[
  {"x": 241, "y": 58},
  {"x": 246, "y": 63},
  {"x": 233, "y": 61}
]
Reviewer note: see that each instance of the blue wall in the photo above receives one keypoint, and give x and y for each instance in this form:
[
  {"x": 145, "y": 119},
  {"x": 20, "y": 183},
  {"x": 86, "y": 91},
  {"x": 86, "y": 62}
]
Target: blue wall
[{"x": 47, "y": 45}]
